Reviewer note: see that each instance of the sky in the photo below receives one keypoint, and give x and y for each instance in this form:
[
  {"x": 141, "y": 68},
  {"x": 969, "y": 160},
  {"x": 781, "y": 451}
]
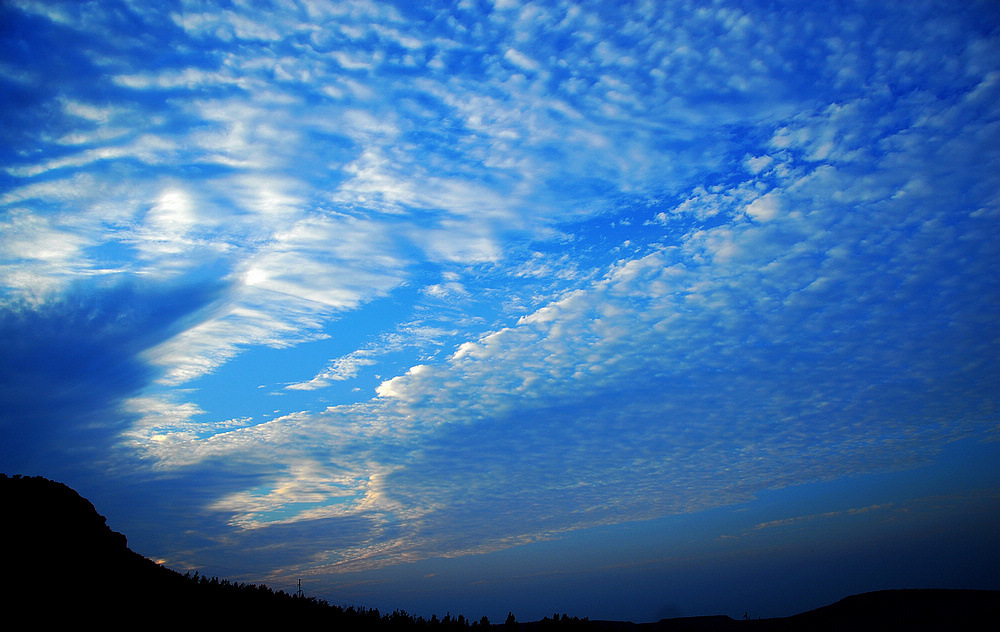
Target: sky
[{"x": 626, "y": 310}]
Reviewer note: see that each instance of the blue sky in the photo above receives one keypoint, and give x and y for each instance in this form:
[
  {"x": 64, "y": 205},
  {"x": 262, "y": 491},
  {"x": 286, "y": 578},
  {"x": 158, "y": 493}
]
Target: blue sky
[{"x": 625, "y": 310}]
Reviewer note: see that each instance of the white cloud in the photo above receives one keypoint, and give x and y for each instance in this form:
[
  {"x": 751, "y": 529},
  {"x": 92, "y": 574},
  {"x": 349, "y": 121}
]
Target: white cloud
[
  {"x": 188, "y": 78},
  {"x": 150, "y": 149},
  {"x": 756, "y": 164},
  {"x": 521, "y": 60},
  {"x": 343, "y": 368},
  {"x": 764, "y": 208}
]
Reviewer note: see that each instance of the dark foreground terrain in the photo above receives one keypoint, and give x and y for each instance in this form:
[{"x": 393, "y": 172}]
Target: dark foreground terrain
[
  {"x": 64, "y": 566},
  {"x": 885, "y": 610}
]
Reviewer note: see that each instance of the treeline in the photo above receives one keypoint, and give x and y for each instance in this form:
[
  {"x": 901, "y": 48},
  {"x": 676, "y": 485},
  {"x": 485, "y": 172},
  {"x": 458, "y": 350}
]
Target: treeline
[{"x": 243, "y": 596}]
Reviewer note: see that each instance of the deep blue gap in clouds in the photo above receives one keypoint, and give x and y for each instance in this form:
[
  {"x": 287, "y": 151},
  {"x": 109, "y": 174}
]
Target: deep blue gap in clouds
[{"x": 69, "y": 364}]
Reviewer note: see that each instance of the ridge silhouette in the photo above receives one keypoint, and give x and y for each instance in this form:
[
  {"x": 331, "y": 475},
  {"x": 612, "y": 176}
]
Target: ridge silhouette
[{"x": 63, "y": 565}]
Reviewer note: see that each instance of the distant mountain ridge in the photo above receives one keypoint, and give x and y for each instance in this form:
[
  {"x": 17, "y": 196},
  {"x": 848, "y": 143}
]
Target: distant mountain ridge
[
  {"x": 66, "y": 566},
  {"x": 908, "y": 610}
]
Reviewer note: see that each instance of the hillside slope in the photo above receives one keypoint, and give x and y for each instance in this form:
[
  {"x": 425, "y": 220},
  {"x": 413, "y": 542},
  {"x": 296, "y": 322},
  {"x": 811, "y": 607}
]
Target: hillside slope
[{"x": 63, "y": 565}]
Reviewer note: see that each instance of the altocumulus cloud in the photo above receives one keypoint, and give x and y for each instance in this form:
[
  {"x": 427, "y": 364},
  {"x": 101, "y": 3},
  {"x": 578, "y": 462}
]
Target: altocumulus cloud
[{"x": 646, "y": 260}]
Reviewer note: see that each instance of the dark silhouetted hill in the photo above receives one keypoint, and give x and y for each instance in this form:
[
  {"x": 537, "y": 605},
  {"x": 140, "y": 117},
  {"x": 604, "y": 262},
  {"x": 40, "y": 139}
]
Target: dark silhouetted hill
[
  {"x": 902, "y": 610},
  {"x": 882, "y": 611},
  {"x": 63, "y": 566}
]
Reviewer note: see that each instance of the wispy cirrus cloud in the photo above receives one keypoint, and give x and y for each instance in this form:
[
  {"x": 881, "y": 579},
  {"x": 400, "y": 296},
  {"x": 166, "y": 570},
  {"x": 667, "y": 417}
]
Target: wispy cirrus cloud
[{"x": 342, "y": 368}]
